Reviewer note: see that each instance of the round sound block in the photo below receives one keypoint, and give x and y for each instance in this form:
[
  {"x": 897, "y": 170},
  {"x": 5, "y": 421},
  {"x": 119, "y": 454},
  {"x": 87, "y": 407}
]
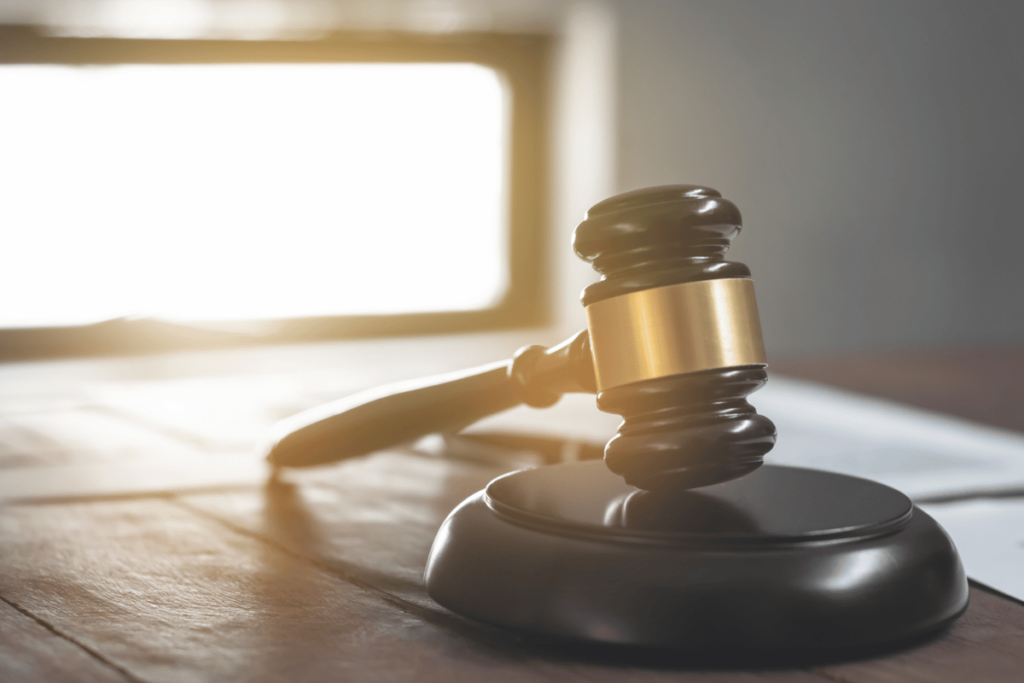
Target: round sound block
[{"x": 784, "y": 558}]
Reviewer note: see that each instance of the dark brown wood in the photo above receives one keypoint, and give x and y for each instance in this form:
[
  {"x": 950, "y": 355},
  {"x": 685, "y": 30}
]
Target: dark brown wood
[
  {"x": 682, "y": 431},
  {"x": 658, "y": 236},
  {"x": 687, "y": 431},
  {"x": 390, "y": 415},
  {"x": 747, "y": 567}
]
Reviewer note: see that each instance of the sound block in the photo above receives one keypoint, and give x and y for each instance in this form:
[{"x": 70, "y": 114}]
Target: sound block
[{"x": 782, "y": 559}]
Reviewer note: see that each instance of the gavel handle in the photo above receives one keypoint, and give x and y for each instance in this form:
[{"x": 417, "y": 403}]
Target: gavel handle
[{"x": 392, "y": 414}]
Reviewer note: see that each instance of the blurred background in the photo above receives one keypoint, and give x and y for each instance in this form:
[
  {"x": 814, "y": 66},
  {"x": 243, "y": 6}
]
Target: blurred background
[{"x": 227, "y": 166}]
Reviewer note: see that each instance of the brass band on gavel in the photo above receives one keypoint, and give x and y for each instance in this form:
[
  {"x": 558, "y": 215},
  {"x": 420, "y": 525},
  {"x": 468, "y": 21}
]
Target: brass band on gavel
[{"x": 673, "y": 330}]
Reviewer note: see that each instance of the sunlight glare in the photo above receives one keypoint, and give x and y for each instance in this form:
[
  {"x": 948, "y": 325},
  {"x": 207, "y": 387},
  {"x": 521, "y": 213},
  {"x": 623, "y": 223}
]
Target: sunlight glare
[{"x": 243, "y": 191}]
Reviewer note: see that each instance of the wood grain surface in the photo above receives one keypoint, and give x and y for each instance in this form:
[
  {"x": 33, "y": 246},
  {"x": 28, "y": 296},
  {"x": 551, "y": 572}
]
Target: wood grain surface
[
  {"x": 318, "y": 575},
  {"x": 32, "y": 650},
  {"x": 169, "y": 595}
]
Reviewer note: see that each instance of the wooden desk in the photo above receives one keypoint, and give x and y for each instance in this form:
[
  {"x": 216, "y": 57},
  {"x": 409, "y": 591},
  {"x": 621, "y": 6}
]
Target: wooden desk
[{"x": 319, "y": 577}]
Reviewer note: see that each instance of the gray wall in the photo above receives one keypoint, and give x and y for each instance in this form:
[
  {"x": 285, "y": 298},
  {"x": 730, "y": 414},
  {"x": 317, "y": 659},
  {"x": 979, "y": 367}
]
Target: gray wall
[{"x": 876, "y": 150}]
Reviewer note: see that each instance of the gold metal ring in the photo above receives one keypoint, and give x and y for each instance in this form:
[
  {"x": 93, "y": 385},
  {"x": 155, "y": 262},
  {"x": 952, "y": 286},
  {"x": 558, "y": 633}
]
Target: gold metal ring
[{"x": 676, "y": 329}]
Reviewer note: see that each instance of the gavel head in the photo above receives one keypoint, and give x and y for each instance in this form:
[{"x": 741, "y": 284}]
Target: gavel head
[{"x": 675, "y": 337}]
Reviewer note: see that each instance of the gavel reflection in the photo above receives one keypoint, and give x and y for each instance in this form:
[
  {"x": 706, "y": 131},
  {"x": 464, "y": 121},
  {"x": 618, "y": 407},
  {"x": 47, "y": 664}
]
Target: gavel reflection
[{"x": 673, "y": 345}]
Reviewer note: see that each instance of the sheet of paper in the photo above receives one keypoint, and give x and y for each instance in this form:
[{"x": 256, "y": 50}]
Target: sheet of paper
[
  {"x": 926, "y": 455},
  {"x": 989, "y": 535}
]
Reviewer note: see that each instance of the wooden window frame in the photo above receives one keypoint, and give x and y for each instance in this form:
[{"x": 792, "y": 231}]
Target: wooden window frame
[{"x": 523, "y": 61}]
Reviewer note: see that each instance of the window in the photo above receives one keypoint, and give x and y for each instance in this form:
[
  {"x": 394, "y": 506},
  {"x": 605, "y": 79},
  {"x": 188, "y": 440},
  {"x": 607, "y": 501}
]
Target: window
[{"x": 266, "y": 191}]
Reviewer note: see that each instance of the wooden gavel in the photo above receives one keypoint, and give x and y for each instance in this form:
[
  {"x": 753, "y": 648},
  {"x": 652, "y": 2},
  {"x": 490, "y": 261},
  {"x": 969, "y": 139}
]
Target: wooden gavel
[{"x": 673, "y": 345}]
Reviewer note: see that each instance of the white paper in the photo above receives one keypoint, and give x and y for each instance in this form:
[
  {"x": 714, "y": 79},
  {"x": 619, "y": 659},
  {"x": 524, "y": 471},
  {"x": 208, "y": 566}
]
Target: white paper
[
  {"x": 989, "y": 535},
  {"x": 923, "y": 454}
]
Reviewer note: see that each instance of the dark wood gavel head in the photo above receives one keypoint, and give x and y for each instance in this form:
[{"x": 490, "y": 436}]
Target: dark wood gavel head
[{"x": 675, "y": 337}]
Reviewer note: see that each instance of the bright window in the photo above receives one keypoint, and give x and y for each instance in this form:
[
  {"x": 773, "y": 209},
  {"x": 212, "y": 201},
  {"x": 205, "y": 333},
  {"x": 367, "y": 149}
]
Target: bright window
[{"x": 251, "y": 191}]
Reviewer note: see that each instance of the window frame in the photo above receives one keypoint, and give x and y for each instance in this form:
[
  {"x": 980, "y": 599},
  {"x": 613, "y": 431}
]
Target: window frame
[{"x": 523, "y": 62}]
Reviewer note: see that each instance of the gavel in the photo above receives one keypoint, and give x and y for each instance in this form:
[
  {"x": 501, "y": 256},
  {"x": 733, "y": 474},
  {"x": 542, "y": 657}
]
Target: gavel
[
  {"x": 682, "y": 550},
  {"x": 673, "y": 344}
]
